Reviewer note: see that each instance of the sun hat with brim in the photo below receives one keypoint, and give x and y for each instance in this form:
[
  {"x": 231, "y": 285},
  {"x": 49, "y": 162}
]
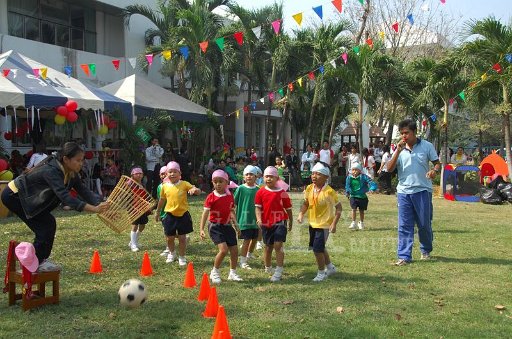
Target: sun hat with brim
[
  {"x": 357, "y": 166},
  {"x": 223, "y": 175},
  {"x": 26, "y": 254},
  {"x": 137, "y": 170},
  {"x": 173, "y": 165},
  {"x": 163, "y": 170},
  {"x": 250, "y": 169}
]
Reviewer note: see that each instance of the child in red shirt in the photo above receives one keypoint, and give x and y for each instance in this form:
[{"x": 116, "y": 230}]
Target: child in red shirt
[
  {"x": 138, "y": 225},
  {"x": 273, "y": 213},
  {"x": 219, "y": 210}
]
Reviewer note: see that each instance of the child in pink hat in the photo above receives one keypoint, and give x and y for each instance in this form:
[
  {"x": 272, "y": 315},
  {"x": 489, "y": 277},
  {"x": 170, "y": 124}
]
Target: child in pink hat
[
  {"x": 138, "y": 225},
  {"x": 274, "y": 216},
  {"x": 219, "y": 210},
  {"x": 177, "y": 220}
]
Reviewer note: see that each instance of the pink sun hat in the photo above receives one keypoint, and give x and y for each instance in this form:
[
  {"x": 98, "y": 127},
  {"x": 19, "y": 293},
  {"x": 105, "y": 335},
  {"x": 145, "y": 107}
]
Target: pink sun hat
[
  {"x": 271, "y": 170},
  {"x": 173, "y": 165},
  {"x": 163, "y": 169},
  {"x": 26, "y": 254},
  {"x": 137, "y": 170},
  {"x": 221, "y": 174}
]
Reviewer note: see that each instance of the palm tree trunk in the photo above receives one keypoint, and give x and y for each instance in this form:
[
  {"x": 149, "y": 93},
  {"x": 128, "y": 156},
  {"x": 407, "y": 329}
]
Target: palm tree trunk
[
  {"x": 333, "y": 123},
  {"x": 360, "y": 124},
  {"x": 506, "y": 129},
  {"x": 307, "y": 137},
  {"x": 363, "y": 22},
  {"x": 391, "y": 124},
  {"x": 324, "y": 123},
  {"x": 444, "y": 159},
  {"x": 267, "y": 118}
]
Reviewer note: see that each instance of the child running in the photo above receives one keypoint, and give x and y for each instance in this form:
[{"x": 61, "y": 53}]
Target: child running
[
  {"x": 219, "y": 210},
  {"x": 355, "y": 189},
  {"x": 177, "y": 220},
  {"x": 324, "y": 211},
  {"x": 245, "y": 213},
  {"x": 138, "y": 225},
  {"x": 273, "y": 213},
  {"x": 163, "y": 179}
]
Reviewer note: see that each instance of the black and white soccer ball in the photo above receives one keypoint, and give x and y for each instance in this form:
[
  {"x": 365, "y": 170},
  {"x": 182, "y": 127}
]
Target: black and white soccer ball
[{"x": 132, "y": 293}]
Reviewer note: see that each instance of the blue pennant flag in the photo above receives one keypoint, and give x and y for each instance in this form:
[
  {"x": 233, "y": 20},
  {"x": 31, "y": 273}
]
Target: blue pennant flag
[
  {"x": 321, "y": 69},
  {"x": 318, "y": 11},
  {"x": 68, "y": 70},
  {"x": 411, "y": 19},
  {"x": 184, "y": 51},
  {"x": 433, "y": 117},
  {"x": 253, "y": 105},
  {"x": 508, "y": 57}
]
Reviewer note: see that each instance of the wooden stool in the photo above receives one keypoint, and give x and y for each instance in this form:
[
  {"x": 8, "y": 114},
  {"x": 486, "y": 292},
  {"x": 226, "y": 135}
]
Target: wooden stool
[{"x": 39, "y": 279}]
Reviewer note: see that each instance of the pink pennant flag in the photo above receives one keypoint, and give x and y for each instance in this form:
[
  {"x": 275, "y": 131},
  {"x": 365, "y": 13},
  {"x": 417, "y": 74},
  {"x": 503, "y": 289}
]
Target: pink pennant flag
[
  {"x": 276, "y": 25},
  {"x": 6, "y": 72},
  {"x": 149, "y": 58},
  {"x": 271, "y": 96},
  {"x": 203, "y": 45},
  {"x": 35, "y": 71},
  {"x": 395, "y": 27},
  {"x": 443, "y": 1},
  {"x": 452, "y": 100},
  {"x": 85, "y": 68},
  {"x": 239, "y": 37},
  {"x": 344, "y": 56},
  {"x": 116, "y": 64}
]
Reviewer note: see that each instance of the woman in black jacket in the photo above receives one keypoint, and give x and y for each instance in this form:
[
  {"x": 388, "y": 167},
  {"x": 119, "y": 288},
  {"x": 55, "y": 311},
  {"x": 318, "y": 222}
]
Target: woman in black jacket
[{"x": 33, "y": 195}]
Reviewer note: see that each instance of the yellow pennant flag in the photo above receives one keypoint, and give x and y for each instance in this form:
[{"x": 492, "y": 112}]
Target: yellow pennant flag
[
  {"x": 299, "y": 80},
  {"x": 484, "y": 76},
  {"x": 237, "y": 113},
  {"x": 382, "y": 34},
  {"x": 44, "y": 72},
  {"x": 167, "y": 54},
  {"x": 298, "y": 18}
]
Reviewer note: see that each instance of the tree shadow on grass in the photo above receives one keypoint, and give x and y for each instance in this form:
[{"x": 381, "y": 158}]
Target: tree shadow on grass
[
  {"x": 452, "y": 231},
  {"x": 477, "y": 261}
]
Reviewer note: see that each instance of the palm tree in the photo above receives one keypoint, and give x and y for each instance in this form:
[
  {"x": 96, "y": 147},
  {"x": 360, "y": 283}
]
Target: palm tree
[{"x": 495, "y": 41}]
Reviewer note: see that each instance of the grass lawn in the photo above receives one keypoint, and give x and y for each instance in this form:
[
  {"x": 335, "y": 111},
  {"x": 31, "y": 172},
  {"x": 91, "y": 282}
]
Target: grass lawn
[{"x": 454, "y": 295}]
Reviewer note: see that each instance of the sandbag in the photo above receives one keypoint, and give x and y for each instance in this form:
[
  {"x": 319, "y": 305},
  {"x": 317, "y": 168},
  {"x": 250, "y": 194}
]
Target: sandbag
[
  {"x": 490, "y": 196},
  {"x": 497, "y": 181},
  {"x": 506, "y": 192}
]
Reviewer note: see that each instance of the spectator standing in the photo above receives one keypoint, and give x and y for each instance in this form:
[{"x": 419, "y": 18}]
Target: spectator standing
[
  {"x": 153, "y": 155},
  {"x": 308, "y": 157}
]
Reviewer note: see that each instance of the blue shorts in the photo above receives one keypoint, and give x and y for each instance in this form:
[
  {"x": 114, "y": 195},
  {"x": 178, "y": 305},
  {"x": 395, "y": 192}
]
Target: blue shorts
[
  {"x": 361, "y": 203},
  {"x": 220, "y": 233},
  {"x": 177, "y": 225},
  {"x": 276, "y": 232},
  {"x": 251, "y": 233},
  {"x": 317, "y": 239}
]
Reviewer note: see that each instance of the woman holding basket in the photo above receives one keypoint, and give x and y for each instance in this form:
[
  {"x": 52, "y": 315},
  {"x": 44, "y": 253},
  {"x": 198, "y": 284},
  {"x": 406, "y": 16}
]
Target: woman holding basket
[{"x": 33, "y": 195}]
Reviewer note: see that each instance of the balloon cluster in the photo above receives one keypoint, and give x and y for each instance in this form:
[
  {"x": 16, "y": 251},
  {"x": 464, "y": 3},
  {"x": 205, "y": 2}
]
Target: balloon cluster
[
  {"x": 66, "y": 112},
  {"x": 107, "y": 124}
]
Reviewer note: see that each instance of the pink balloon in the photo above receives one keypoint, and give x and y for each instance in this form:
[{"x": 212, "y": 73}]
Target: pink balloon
[
  {"x": 62, "y": 110},
  {"x": 112, "y": 124},
  {"x": 72, "y": 116},
  {"x": 3, "y": 165},
  {"x": 71, "y": 105},
  {"x": 8, "y": 135}
]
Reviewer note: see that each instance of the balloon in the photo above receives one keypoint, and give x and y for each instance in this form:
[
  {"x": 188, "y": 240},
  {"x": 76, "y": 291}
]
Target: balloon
[
  {"x": 106, "y": 120},
  {"x": 62, "y": 110},
  {"x": 103, "y": 130},
  {"x": 88, "y": 155},
  {"x": 8, "y": 135},
  {"x": 3, "y": 165},
  {"x": 112, "y": 124},
  {"x": 59, "y": 119},
  {"x": 20, "y": 133},
  {"x": 71, "y": 106},
  {"x": 72, "y": 116},
  {"x": 6, "y": 175}
]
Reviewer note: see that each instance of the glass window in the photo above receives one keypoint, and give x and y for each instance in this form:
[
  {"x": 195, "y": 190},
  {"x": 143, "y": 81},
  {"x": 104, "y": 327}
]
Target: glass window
[
  {"x": 31, "y": 28},
  {"x": 90, "y": 42},
  {"x": 62, "y": 37},
  {"x": 77, "y": 17},
  {"x": 28, "y": 7},
  {"x": 48, "y": 32},
  {"x": 55, "y": 11},
  {"x": 77, "y": 39},
  {"x": 15, "y": 25},
  {"x": 90, "y": 19}
]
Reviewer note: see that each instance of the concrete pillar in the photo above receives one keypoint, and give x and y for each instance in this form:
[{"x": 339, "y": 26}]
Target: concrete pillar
[
  {"x": 263, "y": 137},
  {"x": 4, "y": 28},
  {"x": 240, "y": 127}
]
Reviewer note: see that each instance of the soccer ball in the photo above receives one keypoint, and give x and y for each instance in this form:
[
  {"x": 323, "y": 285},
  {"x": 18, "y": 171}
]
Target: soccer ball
[{"x": 132, "y": 293}]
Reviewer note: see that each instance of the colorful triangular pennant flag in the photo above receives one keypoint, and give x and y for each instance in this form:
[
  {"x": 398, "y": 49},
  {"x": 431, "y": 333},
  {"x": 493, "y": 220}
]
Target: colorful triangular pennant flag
[
  {"x": 382, "y": 35},
  {"x": 433, "y": 117},
  {"x": 149, "y": 58},
  {"x": 344, "y": 56},
  {"x": 298, "y": 18},
  {"x": 220, "y": 43},
  {"x": 237, "y": 113},
  {"x": 133, "y": 62},
  {"x": 92, "y": 68},
  {"x": 68, "y": 70},
  {"x": 44, "y": 72},
  {"x": 443, "y": 1},
  {"x": 424, "y": 7},
  {"x": 14, "y": 72},
  {"x": 462, "y": 96},
  {"x": 116, "y": 62},
  {"x": 276, "y": 25},
  {"x": 318, "y": 10},
  {"x": 451, "y": 101},
  {"x": 253, "y": 105},
  {"x": 497, "y": 68},
  {"x": 271, "y": 96},
  {"x": 338, "y": 5},
  {"x": 311, "y": 75},
  {"x": 6, "y": 72},
  {"x": 411, "y": 19},
  {"x": 321, "y": 69},
  {"x": 262, "y": 100},
  {"x": 239, "y": 37},
  {"x": 257, "y": 32},
  {"x": 369, "y": 42},
  {"x": 281, "y": 92},
  {"x": 184, "y": 51},
  {"x": 85, "y": 68},
  {"x": 167, "y": 54},
  {"x": 333, "y": 63},
  {"x": 508, "y": 57},
  {"x": 356, "y": 49},
  {"x": 290, "y": 87},
  {"x": 204, "y": 46},
  {"x": 299, "y": 81},
  {"x": 483, "y": 76},
  {"x": 36, "y": 72},
  {"x": 395, "y": 27}
]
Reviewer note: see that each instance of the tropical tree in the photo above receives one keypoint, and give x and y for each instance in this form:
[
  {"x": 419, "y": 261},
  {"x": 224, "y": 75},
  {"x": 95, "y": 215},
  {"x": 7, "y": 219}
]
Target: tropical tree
[{"x": 493, "y": 44}]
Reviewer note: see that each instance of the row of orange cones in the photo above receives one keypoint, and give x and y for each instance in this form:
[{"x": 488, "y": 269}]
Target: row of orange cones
[{"x": 206, "y": 293}]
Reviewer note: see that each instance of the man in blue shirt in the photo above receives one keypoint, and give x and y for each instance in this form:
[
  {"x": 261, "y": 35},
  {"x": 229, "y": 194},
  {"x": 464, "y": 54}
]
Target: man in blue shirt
[{"x": 414, "y": 191}]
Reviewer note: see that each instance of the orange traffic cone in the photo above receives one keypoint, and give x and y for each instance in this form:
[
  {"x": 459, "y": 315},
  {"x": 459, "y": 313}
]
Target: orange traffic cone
[
  {"x": 95, "y": 263},
  {"x": 212, "y": 304},
  {"x": 221, "y": 328},
  {"x": 190, "y": 278},
  {"x": 204, "y": 289},
  {"x": 146, "y": 269}
]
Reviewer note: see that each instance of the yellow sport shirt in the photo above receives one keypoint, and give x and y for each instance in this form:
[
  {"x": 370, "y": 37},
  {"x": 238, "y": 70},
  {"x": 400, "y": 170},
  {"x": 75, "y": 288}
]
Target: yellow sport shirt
[
  {"x": 176, "y": 197},
  {"x": 322, "y": 205}
]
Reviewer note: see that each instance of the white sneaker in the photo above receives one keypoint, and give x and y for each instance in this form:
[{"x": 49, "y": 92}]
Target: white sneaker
[
  {"x": 250, "y": 256},
  {"x": 352, "y": 226},
  {"x": 170, "y": 258},
  {"x": 245, "y": 266},
  {"x": 321, "y": 276},
  {"x": 270, "y": 270},
  {"x": 134, "y": 248},
  {"x": 330, "y": 271},
  {"x": 234, "y": 277},
  {"x": 259, "y": 245},
  {"x": 276, "y": 277},
  {"x": 48, "y": 266},
  {"x": 165, "y": 252},
  {"x": 182, "y": 261},
  {"x": 360, "y": 225},
  {"x": 215, "y": 277}
]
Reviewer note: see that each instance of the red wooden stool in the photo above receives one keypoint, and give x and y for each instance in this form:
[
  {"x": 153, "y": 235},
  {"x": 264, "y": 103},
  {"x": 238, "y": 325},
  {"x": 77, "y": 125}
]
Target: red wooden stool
[{"x": 38, "y": 297}]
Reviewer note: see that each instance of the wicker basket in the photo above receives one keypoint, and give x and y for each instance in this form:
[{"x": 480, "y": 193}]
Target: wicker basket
[{"x": 128, "y": 201}]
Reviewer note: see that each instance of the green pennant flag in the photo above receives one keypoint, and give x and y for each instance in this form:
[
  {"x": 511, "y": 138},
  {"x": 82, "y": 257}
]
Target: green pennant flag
[
  {"x": 281, "y": 92},
  {"x": 362, "y": 2},
  {"x": 92, "y": 68},
  {"x": 356, "y": 49},
  {"x": 462, "y": 96},
  {"x": 220, "y": 43}
]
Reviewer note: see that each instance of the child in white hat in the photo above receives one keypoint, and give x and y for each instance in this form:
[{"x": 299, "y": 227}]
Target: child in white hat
[{"x": 356, "y": 187}]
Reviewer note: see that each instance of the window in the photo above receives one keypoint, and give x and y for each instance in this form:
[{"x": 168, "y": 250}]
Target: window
[
  {"x": 15, "y": 25},
  {"x": 62, "y": 36},
  {"x": 48, "y": 32},
  {"x": 31, "y": 28}
]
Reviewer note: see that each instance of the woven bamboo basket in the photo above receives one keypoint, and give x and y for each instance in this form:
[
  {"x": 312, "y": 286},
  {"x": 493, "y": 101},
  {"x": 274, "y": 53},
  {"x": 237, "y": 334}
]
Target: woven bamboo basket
[{"x": 128, "y": 201}]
